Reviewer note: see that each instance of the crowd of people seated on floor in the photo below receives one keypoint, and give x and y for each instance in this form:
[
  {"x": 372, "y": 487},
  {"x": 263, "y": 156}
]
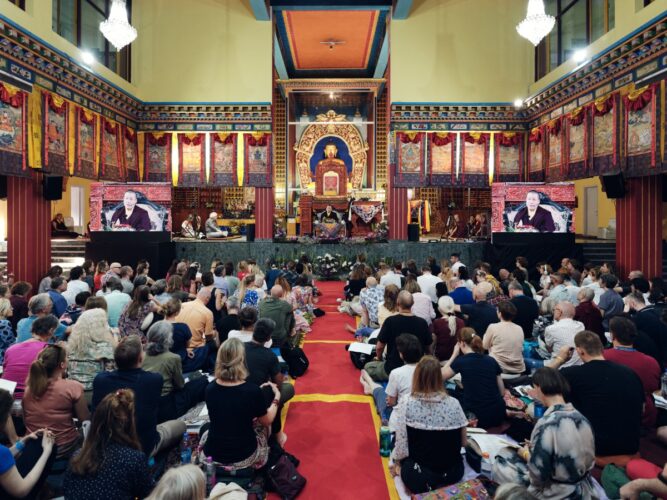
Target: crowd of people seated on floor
[
  {"x": 592, "y": 345},
  {"x": 107, "y": 363}
]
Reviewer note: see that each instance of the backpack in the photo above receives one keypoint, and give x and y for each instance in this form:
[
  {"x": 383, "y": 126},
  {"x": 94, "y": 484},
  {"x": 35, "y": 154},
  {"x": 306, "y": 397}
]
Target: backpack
[
  {"x": 296, "y": 360},
  {"x": 285, "y": 479},
  {"x": 359, "y": 359}
]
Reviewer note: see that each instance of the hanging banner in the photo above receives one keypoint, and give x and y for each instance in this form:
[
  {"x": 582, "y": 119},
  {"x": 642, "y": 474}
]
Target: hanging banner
[
  {"x": 556, "y": 159},
  {"x": 474, "y": 159},
  {"x": 55, "y": 134},
  {"x": 509, "y": 157},
  {"x": 111, "y": 165},
  {"x": 223, "y": 160},
  {"x": 576, "y": 143},
  {"x": 604, "y": 150},
  {"x": 157, "y": 157},
  {"x": 410, "y": 156},
  {"x": 258, "y": 159},
  {"x": 130, "y": 154},
  {"x": 13, "y": 131},
  {"x": 640, "y": 136},
  {"x": 442, "y": 159},
  {"x": 536, "y": 155},
  {"x": 86, "y": 139},
  {"x": 191, "y": 160}
]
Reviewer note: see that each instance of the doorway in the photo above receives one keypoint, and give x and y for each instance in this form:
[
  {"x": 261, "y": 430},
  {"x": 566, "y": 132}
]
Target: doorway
[
  {"x": 78, "y": 208},
  {"x": 591, "y": 210}
]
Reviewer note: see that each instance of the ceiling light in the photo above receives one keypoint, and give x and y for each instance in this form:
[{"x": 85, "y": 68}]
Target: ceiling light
[
  {"x": 579, "y": 56},
  {"x": 117, "y": 29},
  {"x": 537, "y": 23},
  {"x": 87, "y": 58},
  {"x": 518, "y": 103}
]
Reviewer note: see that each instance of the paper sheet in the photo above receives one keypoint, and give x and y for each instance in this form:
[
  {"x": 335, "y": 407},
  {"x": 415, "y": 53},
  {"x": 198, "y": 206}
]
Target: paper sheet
[
  {"x": 7, "y": 385},
  {"x": 362, "y": 348},
  {"x": 492, "y": 443}
]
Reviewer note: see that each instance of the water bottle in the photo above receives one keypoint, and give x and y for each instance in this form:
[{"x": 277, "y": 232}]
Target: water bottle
[
  {"x": 210, "y": 475},
  {"x": 486, "y": 466},
  {"x": 385, "y": 441},
  {"x": 663, "y": 381},
  {"x": 186, "y": 452}
]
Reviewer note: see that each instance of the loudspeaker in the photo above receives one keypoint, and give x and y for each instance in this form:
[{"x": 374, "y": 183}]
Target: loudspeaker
[
  {"x": 413, "y": 232},
  {"x": 52, "y": 187},
  {"x": 250, "y": 232},
  {"x": 664, "y": 188},
  {"x": 3, "y": 187},
  {"x": 613, "y": 185}
]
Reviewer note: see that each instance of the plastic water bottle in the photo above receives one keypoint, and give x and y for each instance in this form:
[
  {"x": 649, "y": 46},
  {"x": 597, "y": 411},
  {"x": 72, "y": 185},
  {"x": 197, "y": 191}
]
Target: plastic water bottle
[
  {"x": 186, "y": 452},
  {"x": 210, "y": 475},
  {"x": 385, "y": 441},
  {"x": 486, "y": 466},
  {"x": 663, "y": 381}
]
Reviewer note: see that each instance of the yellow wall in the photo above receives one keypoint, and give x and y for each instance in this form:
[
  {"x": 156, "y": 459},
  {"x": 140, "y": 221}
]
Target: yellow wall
[
  {"x": 63, "y": 205},
  {"x": 214, "y": 51},
  {"x": 3, "y": 220},
  {"x": 460, "y": 51},
  {"x": 606, "y": 207},
  {"x": 630, "y": 15}
]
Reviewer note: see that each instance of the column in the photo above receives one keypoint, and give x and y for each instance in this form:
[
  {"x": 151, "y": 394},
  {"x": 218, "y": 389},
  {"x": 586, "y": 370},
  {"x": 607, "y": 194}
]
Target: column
[
  {"x": 264, "y": 210},
  {"x": 28, "y": 229},
  {"x": 398, "y": 213},
  {"x": 639, "y": 227}
]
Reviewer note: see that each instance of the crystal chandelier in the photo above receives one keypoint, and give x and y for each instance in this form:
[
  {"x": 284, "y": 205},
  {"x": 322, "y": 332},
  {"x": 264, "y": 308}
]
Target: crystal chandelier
[
  {"x": 537, "y": 24},
  {"x": 117, "y": 28}
]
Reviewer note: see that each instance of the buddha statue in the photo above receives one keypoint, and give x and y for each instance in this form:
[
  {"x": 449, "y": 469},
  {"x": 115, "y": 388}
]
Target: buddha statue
[{"x": 331, "y": 173}]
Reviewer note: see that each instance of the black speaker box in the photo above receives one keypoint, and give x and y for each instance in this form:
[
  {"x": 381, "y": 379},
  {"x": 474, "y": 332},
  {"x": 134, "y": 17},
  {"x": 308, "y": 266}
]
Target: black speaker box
[
  {"x": 3, "y": 187},
  {"x": 413, "y": 232},
  {"x": 250, "y": 232},
  {"x": 613, "y": 185},
  {"x": 52, "y": 187}
]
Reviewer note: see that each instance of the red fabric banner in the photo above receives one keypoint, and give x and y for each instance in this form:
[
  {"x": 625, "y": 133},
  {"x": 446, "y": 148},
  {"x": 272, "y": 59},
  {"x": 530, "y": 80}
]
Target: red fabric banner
[{"x": 189, "y": 173}]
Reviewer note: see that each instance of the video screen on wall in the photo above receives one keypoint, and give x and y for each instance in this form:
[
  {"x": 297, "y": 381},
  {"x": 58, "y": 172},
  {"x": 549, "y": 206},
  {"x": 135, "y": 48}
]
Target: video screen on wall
[
  {"x": 135, "y": 212},
  {"x": 533, "y": 207}
]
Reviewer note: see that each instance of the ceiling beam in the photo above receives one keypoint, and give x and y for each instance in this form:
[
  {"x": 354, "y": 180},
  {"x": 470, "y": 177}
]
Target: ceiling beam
[
  {"x": 402, "y": 9},
  {"x": 278, "y": 60},
  {"x": 261, "y": 10},
  {"x": 383, "y": 58},
  {"x": 331, "y": 5}
]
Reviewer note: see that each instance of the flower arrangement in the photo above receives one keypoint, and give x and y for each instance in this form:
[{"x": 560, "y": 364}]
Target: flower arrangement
[{"x": 330, "y": 267}]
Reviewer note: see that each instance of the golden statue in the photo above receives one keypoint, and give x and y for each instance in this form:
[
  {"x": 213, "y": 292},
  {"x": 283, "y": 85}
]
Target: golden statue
[{"x": 331, "y": 173}]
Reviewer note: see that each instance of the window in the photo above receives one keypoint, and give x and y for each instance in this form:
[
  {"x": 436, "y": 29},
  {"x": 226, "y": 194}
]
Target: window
[
  {"x": 79, "y": 22},
  {"x": 78, "y": 206},
  {"x": 19, "y": 3},
  {"x": 578, "y": 24}
]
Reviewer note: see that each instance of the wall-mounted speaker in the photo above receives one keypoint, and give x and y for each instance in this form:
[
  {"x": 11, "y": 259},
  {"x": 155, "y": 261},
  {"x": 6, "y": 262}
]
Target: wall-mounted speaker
[
  {"x": 613, "y": 185},
  {"x": 3, "y": 187},
  {"x": 52, "y": 187}
]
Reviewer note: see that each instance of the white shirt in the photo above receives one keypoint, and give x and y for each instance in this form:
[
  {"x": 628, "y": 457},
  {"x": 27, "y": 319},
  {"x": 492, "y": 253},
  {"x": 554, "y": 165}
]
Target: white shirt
[
  {"x": 400, "y": 385},
  {"x": 74, "y": 288},
  {"x": 560, "y": 334},
  {"x": 423, "y": 307},
  {"x": 597, "y": 290},
  {"x": 427, "y": 284},
  {"x": 246, "y": 337},
  {"x": 391, "y": 278},
  {"x": 456, "y": 265}
]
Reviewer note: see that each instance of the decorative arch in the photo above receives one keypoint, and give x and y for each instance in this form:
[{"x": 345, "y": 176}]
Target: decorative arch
[{"x": 335, "y": 125}]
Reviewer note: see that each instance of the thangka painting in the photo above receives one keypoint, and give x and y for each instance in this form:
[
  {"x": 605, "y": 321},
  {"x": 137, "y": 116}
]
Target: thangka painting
[
  {"x": 410, "y": 156},
  {"x": 603, "y": 135},
  {"x": 111, "y": 168},
  {"x": 130, "y": 155},
  {"x": 535, "y": 155},
  {"x": 191, "y": 167},
  {"x": 509, "y": 157},
  {"x": 85, "y": 144},
  {"x": 441, "y": 159},
  {"x": 223, "y": 160},
  {"x": 13, "y": 132},
  {"x": 604, "y": 123},
  {"x": 258, "y": 164},
  {"x": 577, "y": 143},
  {"x": 640, "y": 130},
  {"x": 555, "y": 152},
  {"x": 157, "y": 159},
  {"x": 55, "y": 134},
  {"x": 474, "y": 166}
]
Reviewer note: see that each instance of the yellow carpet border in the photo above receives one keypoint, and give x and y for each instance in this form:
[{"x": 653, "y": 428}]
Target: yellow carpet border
[{"x": 328, "y": 341}]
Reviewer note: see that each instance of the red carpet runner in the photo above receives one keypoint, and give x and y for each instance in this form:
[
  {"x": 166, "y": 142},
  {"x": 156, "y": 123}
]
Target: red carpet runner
[{"x": 331, "y": 426}]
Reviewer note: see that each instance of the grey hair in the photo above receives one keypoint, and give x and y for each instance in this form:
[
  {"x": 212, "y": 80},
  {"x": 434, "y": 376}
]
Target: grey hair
[
  {"x": 588, "y": 293},
  {"x": 233, "y": 302},
  {"x": 159, "y": 287},
  {"x": 38, "y": 303},
  {"x": 160, "y": 338}
]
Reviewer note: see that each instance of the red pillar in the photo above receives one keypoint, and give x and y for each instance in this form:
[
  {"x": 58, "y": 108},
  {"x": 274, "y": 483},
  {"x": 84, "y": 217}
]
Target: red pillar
[
  {"x": 398, "y": 213},
  {"x": 264, "y": 210},
  {"x": 28, "y": 229},
  {"x": 639, "y": 227}
]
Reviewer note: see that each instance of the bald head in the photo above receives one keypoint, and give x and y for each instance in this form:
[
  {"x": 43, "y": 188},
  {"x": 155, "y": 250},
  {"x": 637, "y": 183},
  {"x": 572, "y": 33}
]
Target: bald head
[
  {"x": 482, "y": 290},
  {"x": 204, "y": 295},
  {"x": 277, "y": 292},
  {"x": 566, "y": 309},
  {"x": 454, "y": 283},
  {"x": 405, "y": 300},
  {"x": 371, "y": 282}
]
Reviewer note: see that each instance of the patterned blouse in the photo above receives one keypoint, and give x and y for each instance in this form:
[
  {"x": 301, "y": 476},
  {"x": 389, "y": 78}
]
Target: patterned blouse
[
  {"x": 7, "y": 337},
  {"x": 84, "y": 366},
  {"x": 438, "y": 412},
  {"x": 132, "y": 326},
  {"x": 303, "y": 296}
]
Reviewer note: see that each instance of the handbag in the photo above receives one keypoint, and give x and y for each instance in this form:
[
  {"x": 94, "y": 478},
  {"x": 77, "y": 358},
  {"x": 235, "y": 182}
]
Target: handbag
[
  {"x": 285, "y": 479},
  {"x": 296, "y": 360}
]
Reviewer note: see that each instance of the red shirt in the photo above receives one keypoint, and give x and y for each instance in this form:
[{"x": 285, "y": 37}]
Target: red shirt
[{"x": 648, "y": 371}]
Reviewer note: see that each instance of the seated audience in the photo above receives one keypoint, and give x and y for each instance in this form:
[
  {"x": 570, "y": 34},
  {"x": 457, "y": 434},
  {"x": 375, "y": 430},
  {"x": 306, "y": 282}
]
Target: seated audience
[
  {"x": 111, "y": 463},
  {"x": 609, "y": 395},
  {"x": 483, "y": 387},
  {"x": 430, "y": 431},
  {"x": 176, "y": 288},
  {"x": 217, "y": 301},
  {"x": 7, "y": 335},
  {"x": 561, "y": 335},
  {"x": 186, "y": 482},
  {"x": 40, "y": 305},
  {"x": 117, "y": 300},
  {"x": 302, "y": 295},
  {"x": 19, "y": 299},
  {"x": 230, "y": 321},
  {"x": 527, "y": 309},
  {"x": 481, "y": 314},
  {"x": 19, "y": 357},
  {"x": 459, "y": 292},
  {"x": 199, "y": 318},
  {"x": 90, "y": 349},
  {"x": 58, "y": 286},
  {"x": 247, "y": 319},
  {"x": 422, "y": 306},
  {"x": 404, "y": 322},
  {"x": 25, "y": 465},
  {"x": 147, "y": 388},
  {"x": 280, "y": 312},
  {"x": 559, "y": 292},
  {"x": 623, "y": 334},
  {"x": 369, "y": 299},
  {"x": 392, "y": 278},
  {"x": 239, "y": 418},
  {"x": 611, "y": 303},
  {"x": 427, "y": 283},
  {"x": 126, "y": 279},
  {"x": 60, "y": 230},
  {"x": 388, "y": 307},
  {"x": 504, "y": 341},
  {"x": 647, "y": 478},
  {"x": 45, "y": 283},
  {"x": 445, "y": 329},
  {"x": 558, "y": 459},
  {"x": 73, "y": 311},
  {"x": 134, "y": 318},
  {"x": 356, "y": 282},
  {"x": 52, "y": 402},
  {"x": 177, "y": 395},
  {"x": 180, "y": 332},
  {"x": 249, "y": 291},
  {"x": 647, "y": 320},
  {"x": 588, "y": 314}
]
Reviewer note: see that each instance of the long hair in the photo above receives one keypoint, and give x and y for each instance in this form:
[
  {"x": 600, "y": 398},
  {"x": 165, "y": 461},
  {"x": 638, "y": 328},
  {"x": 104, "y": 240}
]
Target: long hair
[
  {"x": 141, "y": 298},
  {"x": 113, "y": 422},
  {"x": 282, "y": 281},
  {"x": 471, "y": 339},
  {"x": 43, "y": 368},
  {"x": 5, "y": 307},
  {"x": 427, "y": 378},
  {"x": 243, "y": 287},
  {"x": 230, "y": 363},
  {"x": 186, "y": 482},
  {"x": 446, "y": 307},
  {"x": 91, "y": 328},
  {"x": 390, "y": 297}
]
